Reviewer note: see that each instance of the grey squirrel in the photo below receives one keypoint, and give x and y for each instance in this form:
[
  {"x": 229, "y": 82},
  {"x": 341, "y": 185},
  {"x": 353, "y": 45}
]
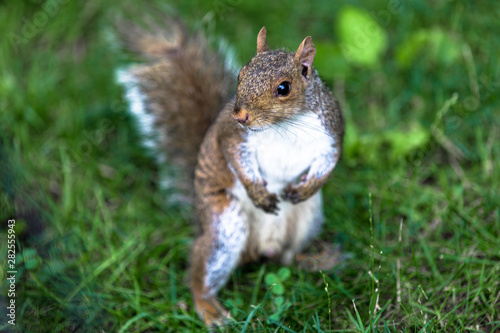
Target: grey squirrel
[{"x": 257, "y": 160}]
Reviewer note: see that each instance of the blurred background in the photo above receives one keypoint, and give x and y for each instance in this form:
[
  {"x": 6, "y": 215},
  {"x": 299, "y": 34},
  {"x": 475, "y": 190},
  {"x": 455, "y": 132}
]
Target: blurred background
[{"x": 414, "y": 201}]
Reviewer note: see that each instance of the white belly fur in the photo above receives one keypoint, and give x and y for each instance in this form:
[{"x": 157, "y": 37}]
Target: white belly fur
[{"x": 283, "y": 156}]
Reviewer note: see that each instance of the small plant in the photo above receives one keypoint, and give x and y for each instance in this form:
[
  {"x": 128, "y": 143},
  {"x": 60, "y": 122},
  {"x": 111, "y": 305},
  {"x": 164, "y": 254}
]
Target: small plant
[
  {"x": 31, "y": 259},
  {"x": 234, "y": 305},
  {"x": 275, "y": 281}
]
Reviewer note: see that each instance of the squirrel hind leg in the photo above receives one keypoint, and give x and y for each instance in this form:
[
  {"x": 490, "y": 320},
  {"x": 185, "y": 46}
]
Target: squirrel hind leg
[
  {"x": 215, "y": 255},
  {"x": 211, "y": 311}
]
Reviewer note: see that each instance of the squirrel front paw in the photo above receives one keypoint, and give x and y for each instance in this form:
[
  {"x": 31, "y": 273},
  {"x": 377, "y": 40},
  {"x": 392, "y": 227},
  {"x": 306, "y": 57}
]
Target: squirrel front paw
[
  {"x": 294, "y": 193},
  {"x": 268, "y": 203},
  {"x": 262, "y": 198},
  {"x": 291, "y": 193}
]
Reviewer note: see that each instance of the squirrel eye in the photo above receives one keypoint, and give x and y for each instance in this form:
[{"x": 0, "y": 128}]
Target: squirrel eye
[{"x": 283, "y": 88}]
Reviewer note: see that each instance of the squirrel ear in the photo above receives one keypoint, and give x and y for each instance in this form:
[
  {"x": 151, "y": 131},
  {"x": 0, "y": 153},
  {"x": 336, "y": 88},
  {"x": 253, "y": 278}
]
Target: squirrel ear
[
  {"x": 305, "y": 56},
  {"x": 261, "y": 41}
]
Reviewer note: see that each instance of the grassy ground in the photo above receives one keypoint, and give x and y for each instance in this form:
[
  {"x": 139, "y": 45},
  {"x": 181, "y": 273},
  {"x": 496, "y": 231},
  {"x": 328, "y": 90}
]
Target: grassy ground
[{"x": 414, "y": 201}]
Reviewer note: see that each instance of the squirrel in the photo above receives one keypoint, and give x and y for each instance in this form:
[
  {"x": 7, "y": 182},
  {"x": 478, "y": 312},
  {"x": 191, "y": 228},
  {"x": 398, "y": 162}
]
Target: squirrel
[{"x": 257, "y": 160}]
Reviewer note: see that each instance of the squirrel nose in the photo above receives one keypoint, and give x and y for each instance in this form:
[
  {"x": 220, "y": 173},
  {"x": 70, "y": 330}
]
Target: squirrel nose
[{"x": 241, "y": 116}]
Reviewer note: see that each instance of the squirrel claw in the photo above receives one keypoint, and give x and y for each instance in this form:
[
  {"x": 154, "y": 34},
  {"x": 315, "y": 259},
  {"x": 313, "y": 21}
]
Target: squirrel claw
[
  {"x": 291, "y": 193},
  {"x": 270, "y": 204}
]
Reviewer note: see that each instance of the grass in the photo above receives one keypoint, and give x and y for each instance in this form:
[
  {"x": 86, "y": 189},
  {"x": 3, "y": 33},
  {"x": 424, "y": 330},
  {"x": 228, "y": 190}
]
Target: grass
[{"x": 414, "y": 201}]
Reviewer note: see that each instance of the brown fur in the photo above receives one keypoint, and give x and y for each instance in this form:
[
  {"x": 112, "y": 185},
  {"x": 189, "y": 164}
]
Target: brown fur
[{"x": 186, "y": 85}]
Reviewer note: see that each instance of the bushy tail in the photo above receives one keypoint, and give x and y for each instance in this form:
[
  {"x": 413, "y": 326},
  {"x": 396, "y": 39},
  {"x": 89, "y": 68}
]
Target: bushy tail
[{"x": 177, "y": 93}]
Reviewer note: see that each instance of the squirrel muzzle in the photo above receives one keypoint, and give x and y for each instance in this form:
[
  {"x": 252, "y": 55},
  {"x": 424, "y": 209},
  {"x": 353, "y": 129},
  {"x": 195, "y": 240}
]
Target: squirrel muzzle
[{"x": 241, "y": 116}]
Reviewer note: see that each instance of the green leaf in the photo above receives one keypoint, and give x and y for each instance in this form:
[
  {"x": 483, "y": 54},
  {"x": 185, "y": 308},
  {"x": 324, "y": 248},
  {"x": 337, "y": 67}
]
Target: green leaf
[
  {"x": 389, "y": 144},
  {"x": 30, "y": 258},
  {"x": 434, "y": 45},
  {"x": 271, "y": 279},
  {"x": 29, "y": 252},
  {"x": 278, "y": 301},
  {"x": 275, "y": 316},
  {"x": 284, "y": 273},
  {"x": 278, "y": 289},
  {"x": 403, "y": 142},
  {"x": 31, "y": 264},
  {"x": 363, "y": 40},
  {"x": 233, "y": 305}
]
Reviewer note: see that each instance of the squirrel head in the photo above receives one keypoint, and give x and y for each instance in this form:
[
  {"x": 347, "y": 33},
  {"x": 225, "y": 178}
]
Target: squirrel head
[{"x": 272, "y": 86}]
